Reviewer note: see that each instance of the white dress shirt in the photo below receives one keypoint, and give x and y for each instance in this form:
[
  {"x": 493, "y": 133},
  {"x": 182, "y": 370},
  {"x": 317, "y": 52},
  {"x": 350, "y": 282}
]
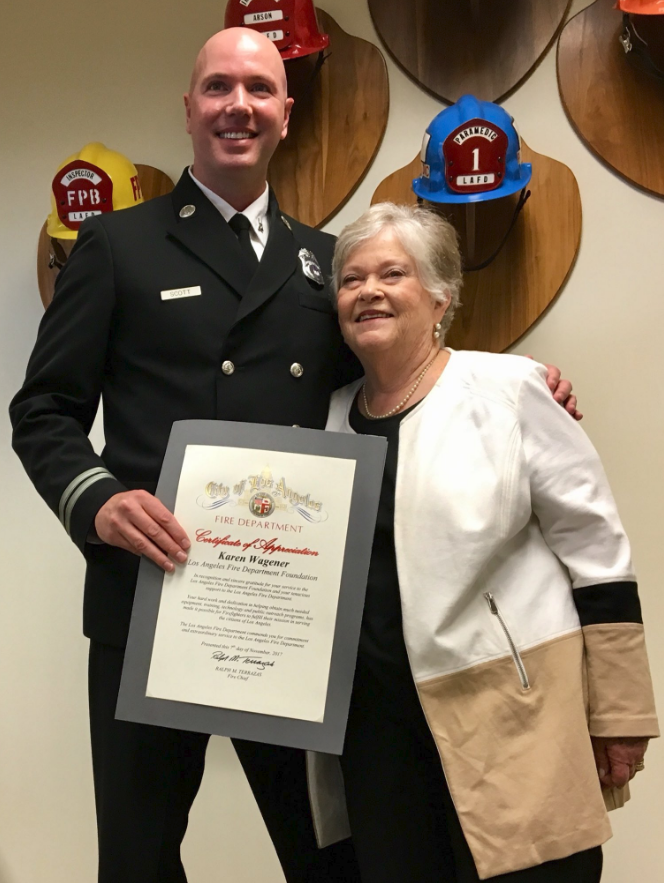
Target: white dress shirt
[{"x": 256, "y": 213}]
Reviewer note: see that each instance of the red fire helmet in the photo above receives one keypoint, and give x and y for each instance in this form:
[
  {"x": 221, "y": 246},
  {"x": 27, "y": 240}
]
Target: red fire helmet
[{"x": 292, "y": 25}]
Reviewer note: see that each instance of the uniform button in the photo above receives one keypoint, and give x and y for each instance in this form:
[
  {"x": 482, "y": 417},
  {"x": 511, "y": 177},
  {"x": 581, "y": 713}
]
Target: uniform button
[
  {"x": 228, "y": 367},
  {"x": 296, "y": 369}
]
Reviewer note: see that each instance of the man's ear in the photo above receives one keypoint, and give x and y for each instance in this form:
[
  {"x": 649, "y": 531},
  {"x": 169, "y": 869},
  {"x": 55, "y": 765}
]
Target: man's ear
[
  {"x": 287, "y": 112},
  {"x": 187, "y": 110}
]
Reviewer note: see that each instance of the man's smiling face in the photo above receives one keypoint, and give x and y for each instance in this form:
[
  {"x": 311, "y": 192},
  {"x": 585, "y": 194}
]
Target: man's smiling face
[{"x": 237, "y": 107}]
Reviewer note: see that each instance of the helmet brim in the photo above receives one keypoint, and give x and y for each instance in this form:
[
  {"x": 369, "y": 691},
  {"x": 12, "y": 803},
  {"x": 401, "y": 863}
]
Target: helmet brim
[
  {"x": 59, "y": 231},
  {"x": 318, "y": 44},
  {"x": 507, "y": 188},
  {"x": 634, "y": 8}
]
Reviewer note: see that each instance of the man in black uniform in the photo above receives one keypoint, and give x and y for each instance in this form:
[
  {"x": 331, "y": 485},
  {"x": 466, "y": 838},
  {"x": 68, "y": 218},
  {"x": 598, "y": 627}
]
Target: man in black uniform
[
  {"x": 168, "y": 314},
  {"x": 206, "y": 303}
]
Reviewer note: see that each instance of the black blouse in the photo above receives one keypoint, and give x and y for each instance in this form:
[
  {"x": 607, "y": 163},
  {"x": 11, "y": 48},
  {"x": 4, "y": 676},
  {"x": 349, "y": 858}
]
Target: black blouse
[{"x": 383, "y": 673}]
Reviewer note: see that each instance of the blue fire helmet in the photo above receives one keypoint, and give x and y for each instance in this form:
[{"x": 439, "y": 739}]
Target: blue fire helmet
[{"x": 471, "y": 153}]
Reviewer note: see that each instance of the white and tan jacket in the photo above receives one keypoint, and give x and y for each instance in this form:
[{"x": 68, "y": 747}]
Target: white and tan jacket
[{"x": 520, "y": 610}]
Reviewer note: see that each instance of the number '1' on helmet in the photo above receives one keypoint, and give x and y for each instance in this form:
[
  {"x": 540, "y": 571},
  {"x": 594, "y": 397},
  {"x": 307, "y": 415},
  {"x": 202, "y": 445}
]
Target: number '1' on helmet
[
  {"x": 471, "y": 153},
  {"x": 290, "y": 24},
  {"x": 91, "y": 182}
]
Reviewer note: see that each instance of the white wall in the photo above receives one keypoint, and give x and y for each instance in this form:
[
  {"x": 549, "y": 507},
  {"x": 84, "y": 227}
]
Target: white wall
[{"x": 115, "y": 72}]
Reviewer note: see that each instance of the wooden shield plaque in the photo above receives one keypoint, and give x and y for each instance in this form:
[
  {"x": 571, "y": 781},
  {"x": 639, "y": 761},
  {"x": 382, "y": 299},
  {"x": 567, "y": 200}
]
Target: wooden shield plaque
[
  {"x": 454, "y": 47},
  {"x": 616, "y": 107}
]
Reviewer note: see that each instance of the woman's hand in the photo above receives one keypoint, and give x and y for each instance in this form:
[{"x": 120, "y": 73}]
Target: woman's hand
[{"x": 618, "y": 759}]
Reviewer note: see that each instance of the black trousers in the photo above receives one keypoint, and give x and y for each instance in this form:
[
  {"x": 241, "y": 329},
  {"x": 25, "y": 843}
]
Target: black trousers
[
  {"x": 405, "y": 828},
  {"x": 146, "y": 779}
]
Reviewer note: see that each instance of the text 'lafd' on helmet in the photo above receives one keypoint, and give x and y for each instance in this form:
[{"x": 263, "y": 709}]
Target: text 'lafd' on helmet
[
  {"x": 92, "y": 182},
  {"x": 471, "y": 153},
  {"x": 642, "y": 7},
  {"x": 290, "y": 24}
]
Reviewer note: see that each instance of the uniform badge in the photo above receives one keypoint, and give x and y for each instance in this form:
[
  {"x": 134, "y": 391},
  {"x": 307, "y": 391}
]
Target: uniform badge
[{"x": 310, "y": 266}]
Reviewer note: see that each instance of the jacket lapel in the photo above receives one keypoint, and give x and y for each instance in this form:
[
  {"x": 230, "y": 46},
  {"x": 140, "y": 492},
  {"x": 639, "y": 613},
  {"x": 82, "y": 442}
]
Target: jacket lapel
[
  {"x": 206, "y": 235},
  {"x": 277, "y": 265}
]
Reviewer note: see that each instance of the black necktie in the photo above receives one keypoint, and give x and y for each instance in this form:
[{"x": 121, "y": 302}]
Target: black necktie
[{"x": 241, "y": 226}]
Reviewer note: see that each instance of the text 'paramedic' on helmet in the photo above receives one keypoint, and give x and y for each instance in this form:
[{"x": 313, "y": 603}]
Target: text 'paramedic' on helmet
[
  {"x": 471, "y": 153},
  {"x": 292, "y": 25},
  {"x": 642, "y": 7},
  {"x": 92, "y": 182}
]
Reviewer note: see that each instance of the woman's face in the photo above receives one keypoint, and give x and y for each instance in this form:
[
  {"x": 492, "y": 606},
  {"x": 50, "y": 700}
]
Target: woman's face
[{"x": 381, "y": 302}]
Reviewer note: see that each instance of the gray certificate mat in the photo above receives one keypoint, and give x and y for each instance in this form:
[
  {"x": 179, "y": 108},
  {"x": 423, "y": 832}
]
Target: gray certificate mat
[{"x": 326, "y": 735}]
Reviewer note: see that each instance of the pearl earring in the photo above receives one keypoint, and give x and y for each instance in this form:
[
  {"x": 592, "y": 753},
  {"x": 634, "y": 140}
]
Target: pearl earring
[{"x": 436, "y": 330}]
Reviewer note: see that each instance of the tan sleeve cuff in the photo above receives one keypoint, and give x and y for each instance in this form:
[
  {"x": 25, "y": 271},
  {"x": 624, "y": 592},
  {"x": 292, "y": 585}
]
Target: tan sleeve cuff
[
  {"x": 620, "y": 694},
  {"x": 638, "y": 728}
]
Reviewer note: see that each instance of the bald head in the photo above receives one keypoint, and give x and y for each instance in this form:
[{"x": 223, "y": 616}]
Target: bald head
[
  {"x": 239, "y": 43},
  {"x": 237, "y": 113}
]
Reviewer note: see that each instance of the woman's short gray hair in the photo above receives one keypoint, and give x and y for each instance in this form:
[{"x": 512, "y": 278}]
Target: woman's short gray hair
[{"x": 428, "y": 239}]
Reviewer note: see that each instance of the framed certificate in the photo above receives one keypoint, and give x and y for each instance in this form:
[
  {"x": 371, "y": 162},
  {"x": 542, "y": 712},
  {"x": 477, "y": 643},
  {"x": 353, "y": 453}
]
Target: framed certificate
[{"x": 256, "y": 635}]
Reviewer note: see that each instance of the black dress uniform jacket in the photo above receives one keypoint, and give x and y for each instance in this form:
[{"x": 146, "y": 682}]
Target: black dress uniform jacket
[{"x": 154, "y": 358}]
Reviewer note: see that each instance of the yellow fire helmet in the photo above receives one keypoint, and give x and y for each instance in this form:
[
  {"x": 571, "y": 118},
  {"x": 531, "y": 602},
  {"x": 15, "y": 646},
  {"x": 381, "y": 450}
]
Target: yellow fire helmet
[{"x": 92, "y": 182}]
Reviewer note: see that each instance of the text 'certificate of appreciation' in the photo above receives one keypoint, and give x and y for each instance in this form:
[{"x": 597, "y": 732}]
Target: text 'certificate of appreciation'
[{"x": 248, "y": 623}]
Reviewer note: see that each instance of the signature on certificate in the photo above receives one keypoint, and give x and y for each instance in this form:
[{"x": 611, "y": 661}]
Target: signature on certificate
[{"x": 220, "y": 656}]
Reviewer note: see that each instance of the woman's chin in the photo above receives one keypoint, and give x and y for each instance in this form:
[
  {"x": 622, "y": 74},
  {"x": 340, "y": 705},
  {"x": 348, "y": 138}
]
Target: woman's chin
[{"x": 370, "y": 340}]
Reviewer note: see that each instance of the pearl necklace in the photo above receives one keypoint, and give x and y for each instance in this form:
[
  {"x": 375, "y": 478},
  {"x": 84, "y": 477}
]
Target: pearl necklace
[{"x": 403, "y": 401}]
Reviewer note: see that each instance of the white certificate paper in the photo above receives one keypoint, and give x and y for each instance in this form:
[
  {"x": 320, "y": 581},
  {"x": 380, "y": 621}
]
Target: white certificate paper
[{"x": 248, "y": 623}]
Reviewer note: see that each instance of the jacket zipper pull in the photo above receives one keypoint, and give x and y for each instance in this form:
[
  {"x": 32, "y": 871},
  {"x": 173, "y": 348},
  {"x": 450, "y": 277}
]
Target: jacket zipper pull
[{"x": 516, "y": 656}]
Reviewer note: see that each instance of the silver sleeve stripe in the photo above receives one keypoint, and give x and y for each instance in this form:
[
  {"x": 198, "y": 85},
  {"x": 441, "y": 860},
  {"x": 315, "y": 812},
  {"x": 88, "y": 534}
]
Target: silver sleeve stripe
[
  {"x": 74, "y": 490},
  {"x": 69, "y": 508},
  {"x": 71, "y": 487}
]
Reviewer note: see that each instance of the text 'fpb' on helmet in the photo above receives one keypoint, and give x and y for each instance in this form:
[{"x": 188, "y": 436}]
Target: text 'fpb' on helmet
[{"x": 292, "y": 25}]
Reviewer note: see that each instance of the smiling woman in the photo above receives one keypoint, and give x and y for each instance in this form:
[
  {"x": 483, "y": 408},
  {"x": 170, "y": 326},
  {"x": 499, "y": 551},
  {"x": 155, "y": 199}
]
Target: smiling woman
[
  {"x": 502, "y": 639},
  {"x": 428, "y": 242},
  {"x": 397, "y": 276}
]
